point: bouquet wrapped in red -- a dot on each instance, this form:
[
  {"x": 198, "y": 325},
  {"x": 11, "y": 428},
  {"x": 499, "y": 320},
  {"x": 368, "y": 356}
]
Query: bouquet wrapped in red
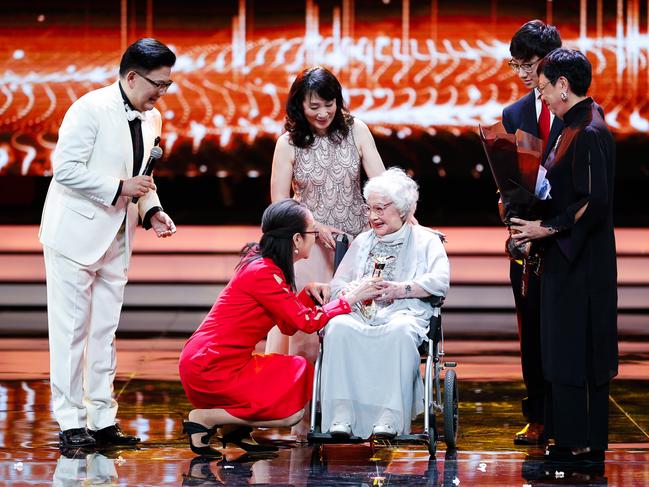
[{"x": 515, "y": 162}]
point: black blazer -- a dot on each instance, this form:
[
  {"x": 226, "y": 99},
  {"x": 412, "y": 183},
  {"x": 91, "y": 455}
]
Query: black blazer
[{"x": 522, "y": 115}]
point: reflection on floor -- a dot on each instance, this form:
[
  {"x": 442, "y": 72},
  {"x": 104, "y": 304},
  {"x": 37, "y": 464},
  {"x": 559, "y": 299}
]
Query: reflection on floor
[{"x": 153, "y": 408}]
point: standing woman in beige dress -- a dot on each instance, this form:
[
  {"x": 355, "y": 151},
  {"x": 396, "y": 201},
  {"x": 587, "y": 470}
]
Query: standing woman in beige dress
[{"x": 319, "y": 158}]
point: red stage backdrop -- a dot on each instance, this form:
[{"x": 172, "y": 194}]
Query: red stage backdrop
[{"x": 407, "y": 66}]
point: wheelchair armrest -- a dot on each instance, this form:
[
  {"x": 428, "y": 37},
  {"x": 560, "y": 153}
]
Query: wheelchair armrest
[
  {"x": 435, "y": 301},
  {"x": 435, "y": 324},
  {"x": 435, "y": 328},
  {"x": 342, "y": 245}
]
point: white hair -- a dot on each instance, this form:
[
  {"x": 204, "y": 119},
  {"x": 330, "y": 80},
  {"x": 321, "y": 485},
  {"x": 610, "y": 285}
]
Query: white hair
[{"x": 396, "y": 185}]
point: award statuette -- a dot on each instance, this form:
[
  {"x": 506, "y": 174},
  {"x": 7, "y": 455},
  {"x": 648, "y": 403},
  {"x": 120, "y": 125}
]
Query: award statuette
[{"x": 368, "y": 307}]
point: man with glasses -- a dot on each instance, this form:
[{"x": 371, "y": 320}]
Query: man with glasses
[
  {"x": 528, "y": 47},
  {"x": 87, "y": 231}
]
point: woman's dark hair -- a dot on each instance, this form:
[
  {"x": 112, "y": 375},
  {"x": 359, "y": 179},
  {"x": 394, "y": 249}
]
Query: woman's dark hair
[
  {"x": 570, "y": 64},
  {"x": 146, "y": 55},
  {"x": 280, "y": 221},
  {"x": 534, "y": 38},
  {"x": 321, "y": 81}
]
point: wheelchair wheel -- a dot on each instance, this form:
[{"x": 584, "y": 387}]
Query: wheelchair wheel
[
  {"x": 451, "y": 414},
  {"x": 432, "y": 435}
]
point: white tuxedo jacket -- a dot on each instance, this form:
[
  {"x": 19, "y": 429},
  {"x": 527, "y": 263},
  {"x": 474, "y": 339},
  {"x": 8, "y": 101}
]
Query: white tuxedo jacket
[{"x": 94, "y": 152}]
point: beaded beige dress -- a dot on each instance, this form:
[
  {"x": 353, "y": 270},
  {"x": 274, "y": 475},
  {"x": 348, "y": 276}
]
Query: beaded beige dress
[{"x": 326, "y": 178}]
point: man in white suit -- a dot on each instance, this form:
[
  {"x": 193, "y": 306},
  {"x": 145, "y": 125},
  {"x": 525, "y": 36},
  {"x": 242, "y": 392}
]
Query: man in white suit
[{"x": 87, "y": 231}]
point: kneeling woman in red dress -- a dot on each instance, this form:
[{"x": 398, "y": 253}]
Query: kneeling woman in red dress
[{"x": 223, "y": 379}]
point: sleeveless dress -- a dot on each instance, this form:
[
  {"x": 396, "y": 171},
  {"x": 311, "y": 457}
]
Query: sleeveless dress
[{"x": 326, "y": 178}]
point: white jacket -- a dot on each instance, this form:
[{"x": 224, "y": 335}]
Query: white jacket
[{"x": 94, "y": 152}]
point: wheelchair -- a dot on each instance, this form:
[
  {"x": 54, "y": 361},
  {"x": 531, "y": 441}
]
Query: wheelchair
[{"x": 436, "y": 400}]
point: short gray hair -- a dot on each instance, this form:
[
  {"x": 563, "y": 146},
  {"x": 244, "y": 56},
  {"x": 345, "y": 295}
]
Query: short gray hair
[{"x": 396, "y": 185}]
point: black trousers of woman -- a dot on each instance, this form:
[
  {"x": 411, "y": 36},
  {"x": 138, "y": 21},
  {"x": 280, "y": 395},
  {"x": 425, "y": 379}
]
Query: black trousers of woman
[{"x": 577, "y": 416}]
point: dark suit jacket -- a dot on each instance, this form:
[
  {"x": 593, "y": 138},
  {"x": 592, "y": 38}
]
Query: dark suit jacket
[{"x": 522, "y": 115}]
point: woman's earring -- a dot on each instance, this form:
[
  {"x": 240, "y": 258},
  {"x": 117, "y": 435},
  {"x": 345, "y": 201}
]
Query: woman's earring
[
  {"x": 296, "y": 251},
  {"x": 564, "y": 96}
]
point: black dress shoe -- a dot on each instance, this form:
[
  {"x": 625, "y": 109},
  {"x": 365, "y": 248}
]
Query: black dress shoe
[
  {"x": 112, "y": 435},
  {"x": 76, "y": 438}
]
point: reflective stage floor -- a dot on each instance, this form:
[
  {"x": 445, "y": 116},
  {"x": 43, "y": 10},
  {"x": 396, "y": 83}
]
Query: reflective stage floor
[{"x": 153, "y": 405}]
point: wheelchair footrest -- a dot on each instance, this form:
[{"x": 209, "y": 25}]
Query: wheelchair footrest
[
  {"x": 328, "y": 438},
  {"x": 413, "y": 438},
  {"x": 416, "y": 439}
]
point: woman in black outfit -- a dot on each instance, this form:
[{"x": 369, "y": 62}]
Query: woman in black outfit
[{"x": 579, "y": 280}]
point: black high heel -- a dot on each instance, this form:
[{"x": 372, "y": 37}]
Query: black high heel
[
  {"x": 191, "y": 428},
  {"x": 241, "y": 438}
]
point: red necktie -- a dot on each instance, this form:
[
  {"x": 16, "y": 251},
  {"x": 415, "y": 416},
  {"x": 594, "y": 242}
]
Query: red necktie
[{"x": 544, "y": 124}]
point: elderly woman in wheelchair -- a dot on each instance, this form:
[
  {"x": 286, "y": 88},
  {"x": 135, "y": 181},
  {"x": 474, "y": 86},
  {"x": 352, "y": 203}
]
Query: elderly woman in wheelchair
[{"x": 370, "y": 379}]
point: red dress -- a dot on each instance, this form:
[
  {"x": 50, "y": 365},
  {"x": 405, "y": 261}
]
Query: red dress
[{"x": 217, "y": 365}]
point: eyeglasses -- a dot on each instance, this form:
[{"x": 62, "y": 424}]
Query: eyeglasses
[
  {"x": 375, "y": 209},
  {"x": 160, "y": 85},
  {"x": 541, "y": 87},
  {"x": 526, "y": 67},
  {"x": 315, "y": 233}
]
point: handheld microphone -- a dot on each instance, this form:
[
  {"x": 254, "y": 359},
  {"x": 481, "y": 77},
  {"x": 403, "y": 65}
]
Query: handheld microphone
[{"x": 156, "y": 153}]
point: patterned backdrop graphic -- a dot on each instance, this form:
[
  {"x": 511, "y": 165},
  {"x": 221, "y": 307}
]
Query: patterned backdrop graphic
[{"x": 407, "y": 67}]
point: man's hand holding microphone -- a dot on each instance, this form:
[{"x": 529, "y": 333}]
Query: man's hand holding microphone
[{"x": 137, "y": 186}]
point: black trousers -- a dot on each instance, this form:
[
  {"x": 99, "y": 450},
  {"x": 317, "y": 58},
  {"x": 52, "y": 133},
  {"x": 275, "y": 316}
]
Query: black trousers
[
  {"x": 528, "y": 313},
  {"x": 577, "y": 416}
]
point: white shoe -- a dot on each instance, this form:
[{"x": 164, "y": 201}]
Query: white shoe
[
  {"x": 384, "y": 431},
  {"x": 341, "y": 429}
]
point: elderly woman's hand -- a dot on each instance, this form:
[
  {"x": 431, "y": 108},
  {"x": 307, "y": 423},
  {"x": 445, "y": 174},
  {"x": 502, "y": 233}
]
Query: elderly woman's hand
[
  {"x": 320, "y": 292},
  {"x": 363, "y": 290},
  {"x": 391, "y": 290},
  {"x": 327, "y": 235}
]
